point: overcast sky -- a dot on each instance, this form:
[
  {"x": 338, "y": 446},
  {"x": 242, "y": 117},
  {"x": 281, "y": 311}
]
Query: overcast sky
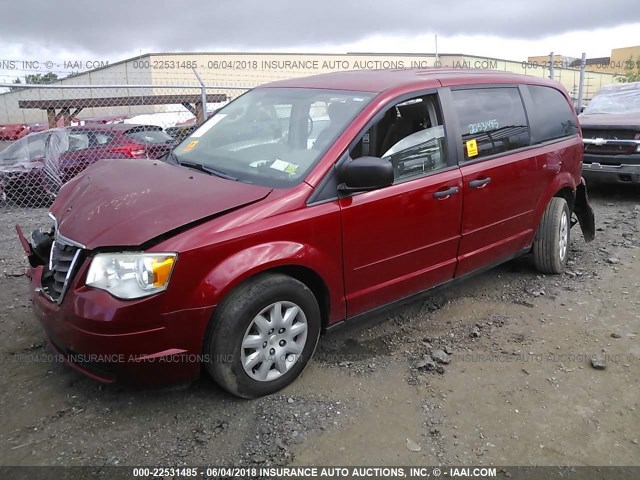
[{"x": 116, "y": 29}]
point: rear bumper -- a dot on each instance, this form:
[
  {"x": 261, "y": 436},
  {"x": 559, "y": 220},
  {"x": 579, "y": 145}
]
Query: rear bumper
[
  {"x": 111, "y": 340},
  {"x": 611, "y": 173},
  {"x": 612, "y": 168}
]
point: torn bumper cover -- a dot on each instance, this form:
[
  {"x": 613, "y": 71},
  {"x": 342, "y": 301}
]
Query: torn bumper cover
[
  {"x": 584, "y": 212},
  {"x": 39, "y": 249}
]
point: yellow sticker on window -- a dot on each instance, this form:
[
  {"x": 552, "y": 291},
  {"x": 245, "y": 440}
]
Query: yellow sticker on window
[
  {"x": 190, "y": 146},
  {"x": 472, "y": 148}
]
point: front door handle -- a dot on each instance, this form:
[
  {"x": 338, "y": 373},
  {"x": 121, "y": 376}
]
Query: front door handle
[
  {"x": 446, "y": 193},
  {"x": 480, "y": 183}
]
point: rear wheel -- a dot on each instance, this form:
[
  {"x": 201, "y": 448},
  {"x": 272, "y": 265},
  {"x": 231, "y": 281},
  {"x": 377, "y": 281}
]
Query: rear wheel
[
  {"x": 262, "y": 335},
  {"x": 551, "y": 245}
]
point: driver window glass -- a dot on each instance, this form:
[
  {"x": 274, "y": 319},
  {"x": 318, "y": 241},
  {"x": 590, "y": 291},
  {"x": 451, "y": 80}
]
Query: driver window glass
[{"x": 410, "y": 135}]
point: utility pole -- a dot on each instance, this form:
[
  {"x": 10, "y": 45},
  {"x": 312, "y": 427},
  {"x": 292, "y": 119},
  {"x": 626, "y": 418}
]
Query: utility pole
[
  {"x": 203, "y": 99},
  {"x": 583, "y": 66}
]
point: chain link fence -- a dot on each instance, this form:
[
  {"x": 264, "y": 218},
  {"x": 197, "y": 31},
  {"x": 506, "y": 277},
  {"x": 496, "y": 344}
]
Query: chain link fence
[{"x": 49, "y": 134}]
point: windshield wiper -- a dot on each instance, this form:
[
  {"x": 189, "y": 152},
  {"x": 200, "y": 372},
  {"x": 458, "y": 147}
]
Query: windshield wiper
[{"x": 206, "y": 169}]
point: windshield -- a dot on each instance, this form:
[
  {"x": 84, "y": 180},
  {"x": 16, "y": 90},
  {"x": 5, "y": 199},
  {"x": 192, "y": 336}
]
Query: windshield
[
  {"x": 15, "y": 151},
  {"x": 272, "y": 136},
  {"x": 25, "y": 150},
  {"x": 615, "y": 99}
]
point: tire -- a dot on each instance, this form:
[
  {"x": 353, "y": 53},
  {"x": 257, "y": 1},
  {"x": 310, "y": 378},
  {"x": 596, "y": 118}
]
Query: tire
[
  {"x": 249, "y": 316},
  {"x": 551, "y": 245}
]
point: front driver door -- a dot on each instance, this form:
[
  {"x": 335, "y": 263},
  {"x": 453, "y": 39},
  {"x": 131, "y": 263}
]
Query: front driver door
[{"x": 404, "y": 238}]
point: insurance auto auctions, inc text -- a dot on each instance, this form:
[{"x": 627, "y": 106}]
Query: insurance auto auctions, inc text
[{"x": 375, "y": 472}]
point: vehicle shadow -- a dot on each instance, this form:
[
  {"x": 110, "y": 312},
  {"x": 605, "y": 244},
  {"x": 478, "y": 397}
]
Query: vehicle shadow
[{"x": 619, "y": 192}]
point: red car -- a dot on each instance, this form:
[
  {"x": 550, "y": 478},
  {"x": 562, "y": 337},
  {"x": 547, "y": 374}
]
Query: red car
[
  {"x": 36, "y": 127},
  {"x": 13, "y": 131},
  {"x": 259, "y": 230},
  {"x": 33, "y": 169}
]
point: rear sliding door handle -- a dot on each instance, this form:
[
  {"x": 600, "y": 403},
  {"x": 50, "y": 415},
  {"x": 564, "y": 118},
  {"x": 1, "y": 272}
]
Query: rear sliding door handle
[
  {"x": 446, "y": 193},
  {"x": 481, "y": 182}
]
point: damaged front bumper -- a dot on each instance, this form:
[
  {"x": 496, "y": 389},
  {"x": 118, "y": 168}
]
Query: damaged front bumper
[
  {"x": 43, "y": 242},
  {"x": 108, "y": 339}
]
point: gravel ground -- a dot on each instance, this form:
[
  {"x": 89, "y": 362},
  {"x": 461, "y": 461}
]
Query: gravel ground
[
  {"x": 13, "y": 262},
  {"x": 497, "y": 370}
]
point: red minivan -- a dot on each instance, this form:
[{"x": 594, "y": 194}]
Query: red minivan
[{"x": 302, "y": 204}]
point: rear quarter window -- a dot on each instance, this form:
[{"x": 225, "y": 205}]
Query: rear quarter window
[
  {"x": 553, "y": 116},
  {"x": 491, "y": 120}
]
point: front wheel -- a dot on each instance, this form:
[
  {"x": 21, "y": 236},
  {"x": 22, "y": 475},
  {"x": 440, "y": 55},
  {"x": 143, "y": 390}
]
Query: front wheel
[
  {"x": 551, "y": 245},
  {"x": 262, "y": 335}
]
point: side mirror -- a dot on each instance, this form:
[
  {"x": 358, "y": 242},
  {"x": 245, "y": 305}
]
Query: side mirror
[{"x": 365, "y": 173}]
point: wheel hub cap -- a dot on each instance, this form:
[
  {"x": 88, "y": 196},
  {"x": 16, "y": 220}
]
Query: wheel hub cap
[
  {"x": 273, "y": 341},
  {"x": 564, "y": 236}
]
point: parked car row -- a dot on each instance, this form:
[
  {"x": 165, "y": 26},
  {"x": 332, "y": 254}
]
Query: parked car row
[
  {"x": 261, "y": 229},
  {"x": 13, "y": 131},
  {"x": 18, "y": 130},
  {"x": 33, "y": 168}
]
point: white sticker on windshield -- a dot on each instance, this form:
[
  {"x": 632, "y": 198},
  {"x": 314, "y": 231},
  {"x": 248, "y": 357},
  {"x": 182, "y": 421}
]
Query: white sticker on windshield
[
  {"x": 284, "y": 166},
  {"x": 206, "y": 126}
]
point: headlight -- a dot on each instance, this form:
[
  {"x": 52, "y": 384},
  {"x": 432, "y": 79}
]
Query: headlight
[{"x": 131, "y": 275}]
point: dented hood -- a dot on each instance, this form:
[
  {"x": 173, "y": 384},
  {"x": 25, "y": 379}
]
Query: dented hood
[{"x": 129, "y": 202}]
